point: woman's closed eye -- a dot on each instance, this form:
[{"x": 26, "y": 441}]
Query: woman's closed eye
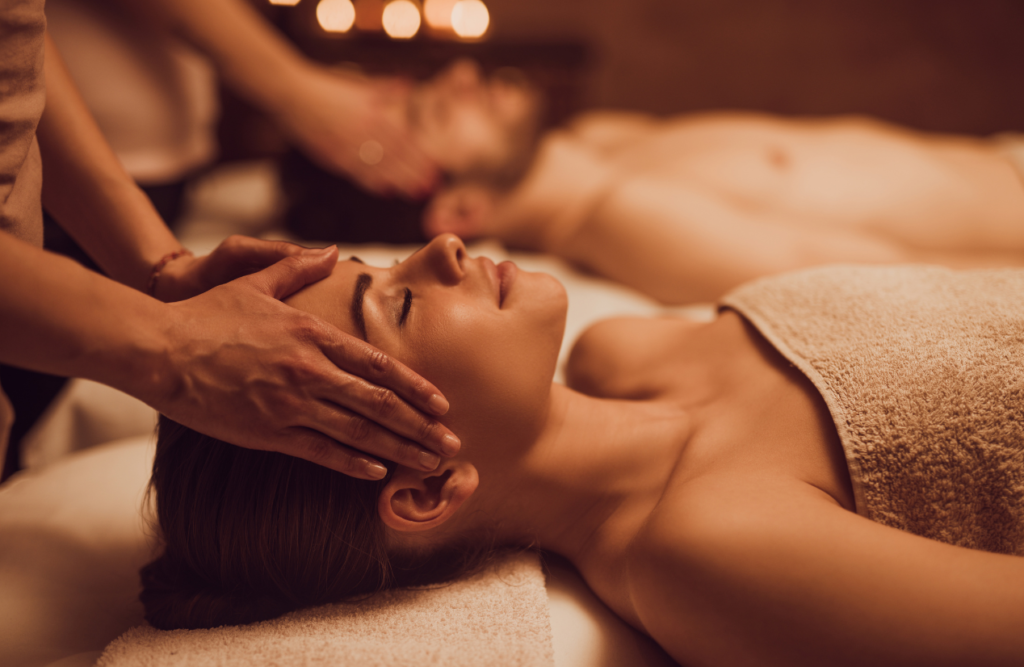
[{"x": 406, "y": 306}]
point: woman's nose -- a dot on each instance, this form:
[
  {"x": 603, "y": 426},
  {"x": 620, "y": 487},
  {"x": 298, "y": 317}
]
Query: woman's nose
[{"x": 444, "y": 255}]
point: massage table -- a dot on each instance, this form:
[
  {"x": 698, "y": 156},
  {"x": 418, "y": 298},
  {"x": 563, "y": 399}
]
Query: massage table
[{"x": 73, "y": 526}]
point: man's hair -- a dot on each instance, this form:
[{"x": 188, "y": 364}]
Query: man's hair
[{"x": 249, "y": 535}]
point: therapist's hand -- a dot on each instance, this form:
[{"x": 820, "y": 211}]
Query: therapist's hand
[
  {"x": 247, "y": 369},
  {"x": 236, "y": 256},
  {"x": 354, "y": 126}
]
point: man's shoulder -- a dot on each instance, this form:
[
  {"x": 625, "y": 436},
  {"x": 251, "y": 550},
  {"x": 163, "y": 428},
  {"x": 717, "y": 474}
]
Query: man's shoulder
[{"x": 607, "y": 129}]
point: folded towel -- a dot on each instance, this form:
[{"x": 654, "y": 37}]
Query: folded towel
[
  {"x": 497, "y": 617},
  {"x": 922, "y": 369}
]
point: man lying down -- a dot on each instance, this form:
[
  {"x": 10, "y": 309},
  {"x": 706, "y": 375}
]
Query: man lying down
[
  {"x": 687, "y": 207},
  {"x": 829, "y": 473}
]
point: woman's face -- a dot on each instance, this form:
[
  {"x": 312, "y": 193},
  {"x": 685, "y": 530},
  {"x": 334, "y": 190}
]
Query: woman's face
[{"x": 487, "y": 336}]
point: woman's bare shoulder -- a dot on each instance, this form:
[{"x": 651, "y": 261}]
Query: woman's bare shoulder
[{"x": 626, "y": 357}]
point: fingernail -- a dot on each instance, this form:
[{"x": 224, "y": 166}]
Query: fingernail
[
  {"x": 437, "y": 404},
  {"x": 450, "y": 445},
  {"x": 375, "y": 470},
  {"x": 429, "y": 461},
  {"x": 325, "y": 251}
]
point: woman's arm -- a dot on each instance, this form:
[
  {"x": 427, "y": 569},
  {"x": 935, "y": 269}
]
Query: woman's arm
[{"x": 773, "y": 574}]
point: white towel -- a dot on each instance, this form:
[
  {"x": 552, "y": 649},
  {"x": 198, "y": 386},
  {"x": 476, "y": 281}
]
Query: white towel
[{"x": 497, "y": 617}]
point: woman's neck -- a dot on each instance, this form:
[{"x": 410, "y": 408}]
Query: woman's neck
[{"x": 586, "y": 484}]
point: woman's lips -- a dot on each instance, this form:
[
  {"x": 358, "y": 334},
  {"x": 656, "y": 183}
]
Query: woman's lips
[{"x": 507, "y": 272}]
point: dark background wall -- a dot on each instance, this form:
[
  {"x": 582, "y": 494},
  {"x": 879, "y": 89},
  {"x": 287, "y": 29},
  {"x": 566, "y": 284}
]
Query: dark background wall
[{"x": 953, "y": 65}]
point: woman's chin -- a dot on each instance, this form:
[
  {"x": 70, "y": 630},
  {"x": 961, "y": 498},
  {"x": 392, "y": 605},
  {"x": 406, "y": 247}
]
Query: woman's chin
[{"x": 547, "y": 294}]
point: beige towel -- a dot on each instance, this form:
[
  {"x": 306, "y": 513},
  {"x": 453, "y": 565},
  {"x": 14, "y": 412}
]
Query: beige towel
[
  {"x": 922, "y": 369},
  {"x": 497, "y": 617}
]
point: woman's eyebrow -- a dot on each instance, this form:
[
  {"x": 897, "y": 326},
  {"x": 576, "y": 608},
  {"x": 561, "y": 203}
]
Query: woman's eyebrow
[
  {"x": 353, "y": 258},
  {"x": 363, "y": 282}
]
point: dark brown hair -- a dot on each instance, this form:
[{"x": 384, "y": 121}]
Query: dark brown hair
[{"x": 249, "y": 535}]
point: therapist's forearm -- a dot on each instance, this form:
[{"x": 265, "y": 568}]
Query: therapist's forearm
[
  {"x": 61, "y": 318},
  {"x": 88, "y": 191},
  {"x": 250, "y": 55}
]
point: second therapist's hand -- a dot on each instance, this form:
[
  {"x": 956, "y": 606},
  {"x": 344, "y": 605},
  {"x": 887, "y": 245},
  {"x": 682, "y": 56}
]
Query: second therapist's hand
[
  {"x": 349, "y": 125},
  {"x": 247, "y": 369}
]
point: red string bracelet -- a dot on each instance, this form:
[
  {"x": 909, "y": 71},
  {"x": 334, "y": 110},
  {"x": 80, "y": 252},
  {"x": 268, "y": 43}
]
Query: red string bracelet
[{"x": 159, "y": 266}]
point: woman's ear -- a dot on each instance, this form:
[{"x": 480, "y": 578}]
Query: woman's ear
[{"x": 413, "y": 500}]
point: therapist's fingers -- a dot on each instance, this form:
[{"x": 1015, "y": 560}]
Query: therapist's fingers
[
  {"x": 317, "y": 448},
  {"x": 291, "y": 274},
  {"x": 354, "y": 444},
  {"x": 240, "y": 255},
  {"x": 235, "y": 257},
  {"x": 363, "y": 360},
  {"x": 376, "y": 420}
]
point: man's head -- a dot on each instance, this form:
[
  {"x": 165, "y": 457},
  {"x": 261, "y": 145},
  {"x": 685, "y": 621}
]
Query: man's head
[{"x": 477, "y": 129}]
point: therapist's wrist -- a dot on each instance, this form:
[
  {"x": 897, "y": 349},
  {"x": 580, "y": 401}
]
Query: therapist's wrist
[
  {"x": 170, "y": 278},
  {"x": 136, "y": 357}
]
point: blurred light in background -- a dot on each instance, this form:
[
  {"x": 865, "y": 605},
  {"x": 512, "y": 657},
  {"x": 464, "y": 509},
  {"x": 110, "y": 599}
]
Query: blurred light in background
[
  {"x": 335, "y": 15},
  {"x": 401, "y": 19},
  {"x": 470, "y": 18},
  {"x": 439, "y": 13}
]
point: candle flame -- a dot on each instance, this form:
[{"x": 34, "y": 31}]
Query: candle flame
[
  {"x": 470, "y": 18},
  {"x": 336, "y": 15}
]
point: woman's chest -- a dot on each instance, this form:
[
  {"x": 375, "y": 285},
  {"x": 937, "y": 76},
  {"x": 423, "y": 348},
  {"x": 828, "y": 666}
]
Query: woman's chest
[{"x": 754, "y": 413}]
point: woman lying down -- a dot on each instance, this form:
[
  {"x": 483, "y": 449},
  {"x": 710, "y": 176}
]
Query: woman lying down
[{"x": 831, "y": 472}]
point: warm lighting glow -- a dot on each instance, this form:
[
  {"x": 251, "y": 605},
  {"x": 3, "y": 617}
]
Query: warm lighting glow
[
  {"x": 401, "y": 19},
  {"x": 286, "y": 3},
  {"x": 368, "y": 15},
  {"x": 336, "y": 15},
  {"x": 470, "y": 18},
  {"x": 439, "y": 13}
]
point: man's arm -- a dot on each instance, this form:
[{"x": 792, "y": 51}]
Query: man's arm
[{"x": 683, "y": 245}]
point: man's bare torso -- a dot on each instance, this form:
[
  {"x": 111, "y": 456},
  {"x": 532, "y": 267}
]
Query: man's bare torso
[{"x": 931, "y": 191}]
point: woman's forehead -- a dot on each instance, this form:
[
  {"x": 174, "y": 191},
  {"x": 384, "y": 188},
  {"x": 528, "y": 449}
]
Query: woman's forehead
[{"x": 330, "y": 299}]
